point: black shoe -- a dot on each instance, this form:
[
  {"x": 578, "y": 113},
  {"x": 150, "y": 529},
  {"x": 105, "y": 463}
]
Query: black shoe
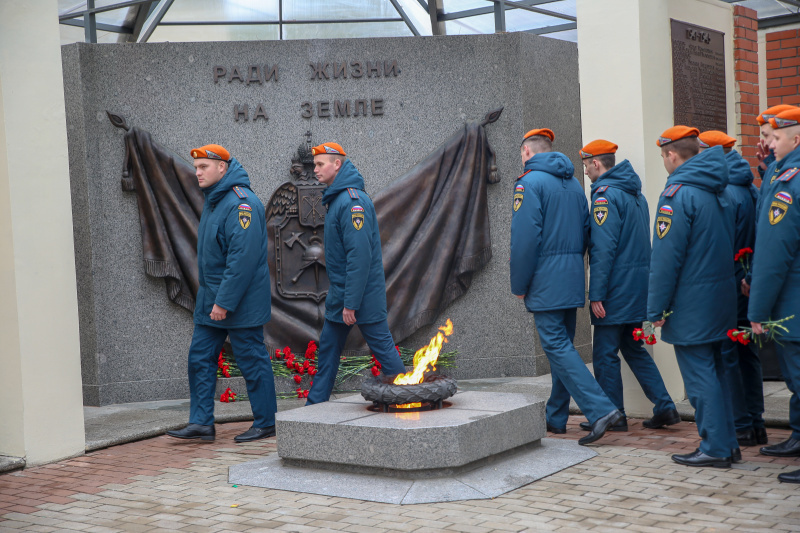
[
  {"x": 620, "y": 425},
  {"x": 669, "y": 417},
  {"x": 600, "y": 427},
  {"x": 698, "y": 458},
  {"x": 790, "y": 477},
  {"x": 194, "y": 431},
  {"x": 255, "y": 434},
  {"x": 787, "y": 448},
  {"x": 761, "y": 435},
  {"x": 746, "y": 437},
  {"x": 736, "y": 455},
  {"x": 557, "y": 431}
]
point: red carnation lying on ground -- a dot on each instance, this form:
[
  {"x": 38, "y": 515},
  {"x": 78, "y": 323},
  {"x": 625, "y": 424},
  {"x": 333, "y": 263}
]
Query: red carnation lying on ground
[
  {"x": 228, "y": 396},
  {"x": 375, "y": 371}
]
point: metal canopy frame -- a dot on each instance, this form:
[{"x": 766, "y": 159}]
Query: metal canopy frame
[{"x": 150, "y": 13}]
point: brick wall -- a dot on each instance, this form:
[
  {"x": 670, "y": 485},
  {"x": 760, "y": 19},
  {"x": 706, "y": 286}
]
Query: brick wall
[
  {"x": 783, "y": 60},
  {"x": 745, "y": 55}
]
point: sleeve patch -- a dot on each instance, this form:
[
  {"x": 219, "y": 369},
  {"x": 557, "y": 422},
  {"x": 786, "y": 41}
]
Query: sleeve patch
[
  {"x": 600, "y": 214},
  {"x": 602, "y": 189},
  {"x": 353, "y": 193},
  {"x": 784, "y": 197},
  {"x": 789, "y": 174},
  {"x": 601, "y": 201},
  {"x": 665, "y": 210},
  {"x": 663, "y": 225},
  {"x": 240, "y": 192},
  {"x": 670, "y": 191},
  {"x": 357, "y": 215},
  {"x": 519, "y": 188},
  {"x": 244, "y": 207}
]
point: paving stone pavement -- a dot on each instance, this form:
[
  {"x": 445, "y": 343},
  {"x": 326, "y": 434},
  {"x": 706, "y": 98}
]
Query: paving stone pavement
[{"x": 163, "y": 484}]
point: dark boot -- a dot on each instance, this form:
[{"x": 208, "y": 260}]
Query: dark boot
[
  {"x": 194, "y": 431},
  {"x": 664, "y": 418}
]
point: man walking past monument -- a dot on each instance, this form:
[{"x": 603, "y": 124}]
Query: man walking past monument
[
  {"x": 549, "y": 235},
  {"x": 619, "y": 257},
  {"x": 692, "y": 293},
  {"x": 775, "y": 291},
  {"x": 233, "y": 299},
  {"x": 742, "y": 363},
  {"x": 354, "y": 263}
]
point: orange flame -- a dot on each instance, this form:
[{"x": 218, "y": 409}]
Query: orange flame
[{"x": 425, "y": 357}]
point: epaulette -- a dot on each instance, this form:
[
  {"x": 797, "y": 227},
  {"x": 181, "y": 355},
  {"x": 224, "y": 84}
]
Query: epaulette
[
  {"x": 239, "y": 192},
  {"x": 353, "y": 193},
  {"x": 602, "y": 189},
  {"x": 789, "y": 174},
  {"x": 670, "y": 191},
  {"x": 524, "y": 173}
]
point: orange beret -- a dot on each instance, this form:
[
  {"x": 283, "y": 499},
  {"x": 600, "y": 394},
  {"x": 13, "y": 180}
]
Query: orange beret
[
  {"x": 544, "y": 132},
  {"x": 676, "y": 133},
  {"x": 716, "y": 138},
  {"x": 211, "y": 151},
  {"x": 328, "y": 148},
  {"x": 764, "y": 117},
  {"x": 598, "y": 147},
  {"x": 785, "y": 119}
]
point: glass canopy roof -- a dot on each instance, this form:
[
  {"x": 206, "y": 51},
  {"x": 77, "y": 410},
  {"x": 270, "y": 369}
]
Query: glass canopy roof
[{"x": 235, "y": 20}]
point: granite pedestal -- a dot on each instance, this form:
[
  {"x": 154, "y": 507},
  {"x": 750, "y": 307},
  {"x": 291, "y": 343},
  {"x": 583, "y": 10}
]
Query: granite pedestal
[{"x": 481, "y": 446}]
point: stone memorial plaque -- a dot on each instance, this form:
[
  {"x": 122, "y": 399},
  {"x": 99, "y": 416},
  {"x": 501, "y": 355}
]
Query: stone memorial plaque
[{"x": 698, "y": 77}]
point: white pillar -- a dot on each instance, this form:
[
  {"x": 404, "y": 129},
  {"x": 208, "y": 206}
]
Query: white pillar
[
  {"x": 41, "y": 406},
  {"x": 625, "y": 60}
]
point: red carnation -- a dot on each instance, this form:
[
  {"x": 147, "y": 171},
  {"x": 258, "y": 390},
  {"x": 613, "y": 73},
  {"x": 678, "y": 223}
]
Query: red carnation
[
  {"x": 225, "y": 371},
  {"x": 375, "y": 371},
  {"x": 650, "y": 339},
  {"x": 298, "y": 379},
  {"x": 638, "y": 334},
  {"x": 305, "y": 394},
  {"x": 278, "y": 353},
  {"x": 306, "y": 364},
  {"x": 312, "y": 372},
  {"x": 732, "y": 333},
  {"x": 299, "y": 393},
  {"x": 289, "y": 364},
  {"x": 744, "y": 338},
  {"x": 287, "y": 351}
]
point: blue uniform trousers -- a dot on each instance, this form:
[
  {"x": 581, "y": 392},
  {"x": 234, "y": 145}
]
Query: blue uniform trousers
[
  {"x": 745, "y": 381},
  {"x": 608, "y": 342},
  {"x": 703, "y": 374},
  {"x": 331, "y": 341},
  {"x": 253, "y": 360},
  {"x": 569, "y": 373},
  {"x": 789, "y": 360}
]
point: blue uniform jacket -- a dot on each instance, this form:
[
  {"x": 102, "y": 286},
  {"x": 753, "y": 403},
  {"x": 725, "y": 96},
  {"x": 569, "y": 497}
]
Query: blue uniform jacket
[
  {"x": 232, "y": 254},
  {"x": 549, "y": 235},
  {"x": 353, "y": 250},
  {"x": 619, "y": 249},
  {"x": 767, "y": 162},
  {"x": 744, "y": 196},
  {"x": 775, "y": 290},
  {"x": 691, "y": 269}
]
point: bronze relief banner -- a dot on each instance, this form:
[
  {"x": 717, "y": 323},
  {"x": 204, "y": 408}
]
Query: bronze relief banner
[{"x": 434, "y": 224}]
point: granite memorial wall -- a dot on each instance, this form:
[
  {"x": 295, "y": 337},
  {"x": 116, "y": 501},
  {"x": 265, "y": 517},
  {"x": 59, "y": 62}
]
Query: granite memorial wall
[{"x": 388, "y": 101}]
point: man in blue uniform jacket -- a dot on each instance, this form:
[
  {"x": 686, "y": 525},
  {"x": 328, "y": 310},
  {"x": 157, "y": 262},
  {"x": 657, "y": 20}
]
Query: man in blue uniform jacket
[
  {"x": 692, "y": 293},
  {"x": 619, "y": 257},
  {"x": 233, "y": 299},
  {"x": 354, "y": 263},
  {"x": 742, "y": 364},
  {"x": 549, "y": 235},
  {"x": 775, "y": 291}
]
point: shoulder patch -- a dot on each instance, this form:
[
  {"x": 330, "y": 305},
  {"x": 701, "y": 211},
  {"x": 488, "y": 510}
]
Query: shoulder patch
[
  {"x": 519, "y": 195},
  {"x": 524, "y": 173},
  {"x": 789, "y": 174},
  {"x": 784, "y": 197},
  {"x": 665, "y": 210},
  {"x": 670, "y": 191},
  {"x": 601, "y": 201},
  {"x": 602, "y": 189},
  {"x": 600, "y": 214},
  {"x": 244, "y": 207},
  {"x": 240, "y": 192},
  {"x": 357, "y": 216},
  {"x": 353, "y": 193}
]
